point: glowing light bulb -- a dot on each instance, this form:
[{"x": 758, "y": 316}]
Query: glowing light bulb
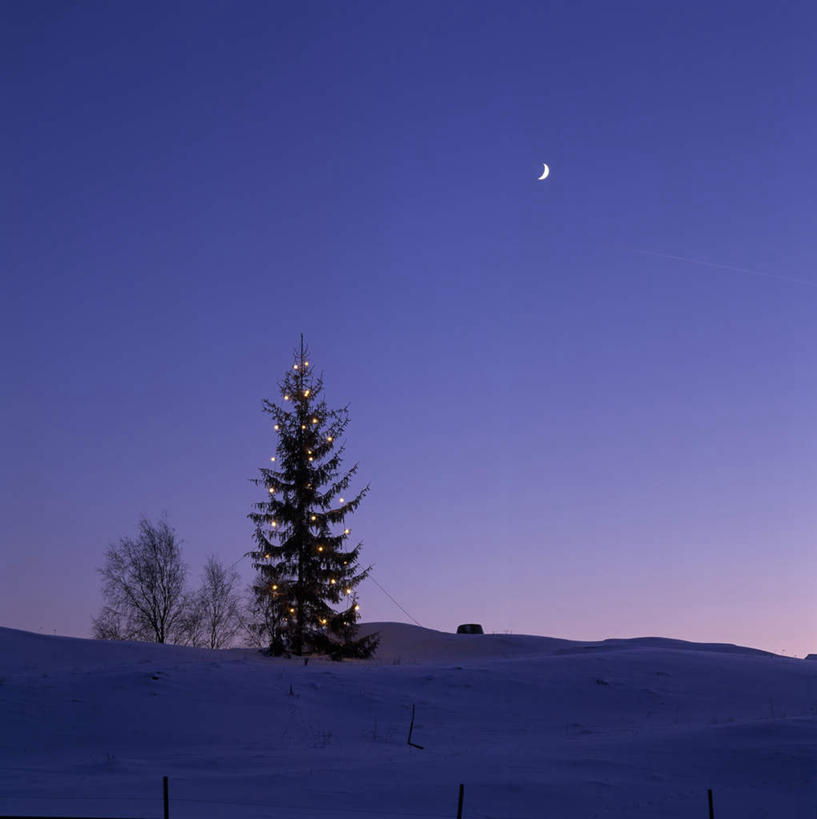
[
  {"x": 311, "y": 459},
  {"x": 323, "y": 621},
  {"x": 267, "y": 556},
  {"x": 306, "y": 393},
  {"x": 329, "y": 438},
  {"x": 314, "y": 517},
  {"x": 346, "y": 531},
  {"x": 306, "y": 363},
  {"x": 286, "y": 398},
  {"x": 276, "y": 427},
  {"x": 314, "y": 420},
  {"x": 348, "y": 591},
  {"x": 332, "y": 581},
  {"x": 271, "y": 490},
  {"x": 303, "y": 426},
  {"x": 320, "y": 548},
  {"x": 292, "y": 611},
  {"x": 342, "y": 501},
  {"x": 273, "y": 459},
  {"x": 294, "y": 366},
  {"x": 357, "y": 608},
  {"x": 274, "y": 524},
  {"x": 275, "y": 587}
]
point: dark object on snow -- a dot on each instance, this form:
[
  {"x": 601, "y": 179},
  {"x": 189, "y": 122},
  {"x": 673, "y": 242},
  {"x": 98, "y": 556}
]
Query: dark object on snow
[
  {"x": 470, "y": 628},
  {"x": 811, "y": 656}
]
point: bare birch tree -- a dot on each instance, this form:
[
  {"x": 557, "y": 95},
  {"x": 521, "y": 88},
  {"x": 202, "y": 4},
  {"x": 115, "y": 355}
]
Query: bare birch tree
[{"x": 143, "y": 588}]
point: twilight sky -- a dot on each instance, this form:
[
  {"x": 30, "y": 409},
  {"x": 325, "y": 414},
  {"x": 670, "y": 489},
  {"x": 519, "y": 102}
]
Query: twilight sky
[{"x": 567, "y": 430}]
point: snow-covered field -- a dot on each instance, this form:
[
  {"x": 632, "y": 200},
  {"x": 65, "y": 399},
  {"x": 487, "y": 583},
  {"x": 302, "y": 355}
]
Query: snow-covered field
[{"x": 532, "y": 726}]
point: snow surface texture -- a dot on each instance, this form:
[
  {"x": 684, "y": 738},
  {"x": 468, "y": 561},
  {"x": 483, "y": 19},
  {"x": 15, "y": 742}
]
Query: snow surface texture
[{"x": 532, "y": 726}]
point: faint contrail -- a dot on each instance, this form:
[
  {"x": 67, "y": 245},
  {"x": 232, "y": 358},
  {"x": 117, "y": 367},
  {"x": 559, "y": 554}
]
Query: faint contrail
[{"x": 727, "y": 267}]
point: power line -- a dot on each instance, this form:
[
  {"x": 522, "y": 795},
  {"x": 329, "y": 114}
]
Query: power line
[
  {"x": 237, "y": 561},
  {"x": 407, "y": 613},
  {"x": 726, "y": 267},
  {"x": 395, "y": 602}
]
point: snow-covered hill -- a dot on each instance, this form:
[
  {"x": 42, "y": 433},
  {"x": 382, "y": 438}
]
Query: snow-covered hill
[{"x": 533, "y": 726}]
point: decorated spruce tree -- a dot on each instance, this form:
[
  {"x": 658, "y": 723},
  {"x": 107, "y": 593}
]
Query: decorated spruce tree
[{"x": 307, "y": 569}]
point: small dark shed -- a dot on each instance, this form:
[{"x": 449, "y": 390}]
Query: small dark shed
[{"x": 470, "y": 628}]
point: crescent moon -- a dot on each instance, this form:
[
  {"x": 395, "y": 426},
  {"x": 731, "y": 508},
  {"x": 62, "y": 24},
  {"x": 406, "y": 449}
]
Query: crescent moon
[{"x": 545, "y": 173}]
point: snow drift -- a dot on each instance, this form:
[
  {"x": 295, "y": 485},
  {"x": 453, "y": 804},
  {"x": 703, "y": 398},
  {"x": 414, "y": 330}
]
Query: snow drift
[{"x": 532, "y": 726}]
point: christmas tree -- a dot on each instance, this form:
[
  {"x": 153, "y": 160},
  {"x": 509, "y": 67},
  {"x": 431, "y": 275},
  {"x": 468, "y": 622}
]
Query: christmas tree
[{"x": 307, "y": 571}]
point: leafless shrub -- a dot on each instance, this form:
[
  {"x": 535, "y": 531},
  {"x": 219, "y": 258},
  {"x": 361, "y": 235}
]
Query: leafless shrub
[{"x": 216, "y": 607}]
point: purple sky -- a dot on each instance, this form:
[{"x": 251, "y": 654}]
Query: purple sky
[{"x": 563, "y": 435}]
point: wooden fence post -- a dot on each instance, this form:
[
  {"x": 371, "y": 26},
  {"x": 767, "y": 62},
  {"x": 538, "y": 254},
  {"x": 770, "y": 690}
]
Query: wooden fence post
[
  {"x": 411, "y": 730},
  {"x": 459, "y": 804},
  {"x": 711, "y": 807},
  {"x": 165, "y": 797}
]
